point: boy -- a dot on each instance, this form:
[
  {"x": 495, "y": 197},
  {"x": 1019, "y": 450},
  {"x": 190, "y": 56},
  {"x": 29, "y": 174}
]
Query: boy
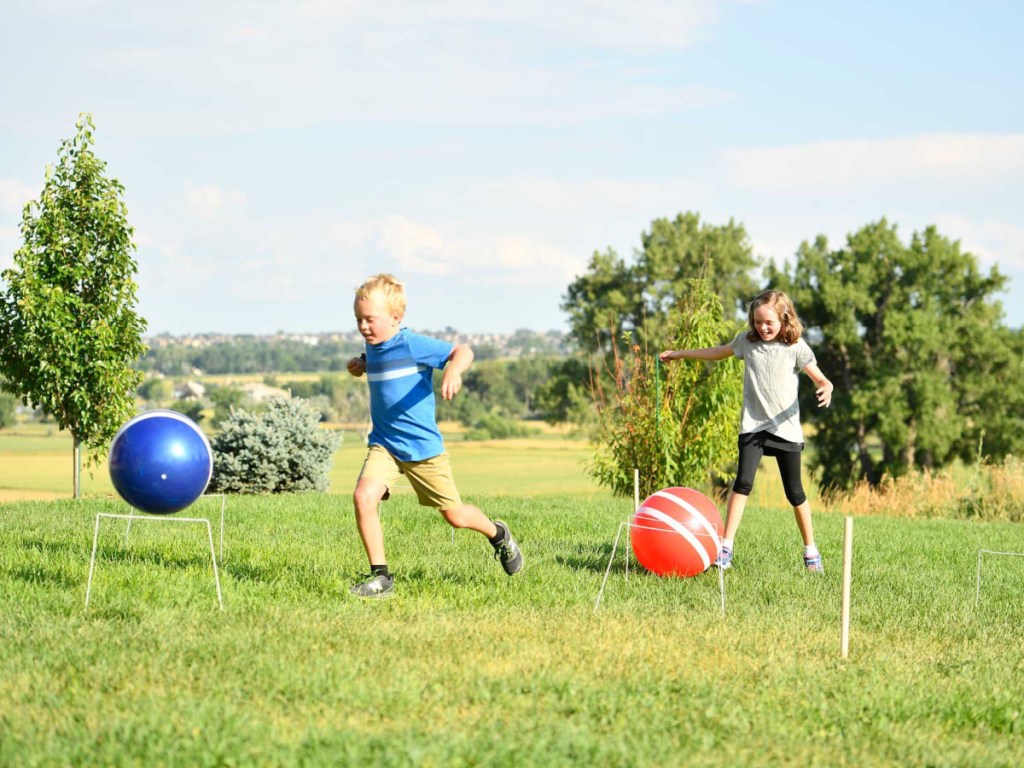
[{"x": 404, "y": 439}]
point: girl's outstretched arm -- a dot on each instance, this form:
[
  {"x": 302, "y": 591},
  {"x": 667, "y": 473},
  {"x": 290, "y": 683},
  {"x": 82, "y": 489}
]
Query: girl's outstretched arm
[
  {"x": 824, "y": 386},
  {"x": 708, "y": 353}
]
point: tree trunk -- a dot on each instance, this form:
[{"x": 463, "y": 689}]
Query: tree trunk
[{"x": 76, "y": 468}]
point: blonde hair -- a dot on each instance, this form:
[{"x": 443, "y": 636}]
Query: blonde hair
[
  {"x": 388, "y": 287},
  {"x": 791, "y": 329}
]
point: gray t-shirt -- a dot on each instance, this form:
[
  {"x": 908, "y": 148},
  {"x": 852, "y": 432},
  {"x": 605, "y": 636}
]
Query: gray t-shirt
[{"x": 771, "y": 377}]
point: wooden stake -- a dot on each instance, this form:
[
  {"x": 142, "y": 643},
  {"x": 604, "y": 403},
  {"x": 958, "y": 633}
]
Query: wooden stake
[
  {"x": 636, "y": 490},
  {"x": 844, "y": 635}
]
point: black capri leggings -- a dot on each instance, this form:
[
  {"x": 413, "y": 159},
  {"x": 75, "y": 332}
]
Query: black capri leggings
[{"x": 751, "y": 452}]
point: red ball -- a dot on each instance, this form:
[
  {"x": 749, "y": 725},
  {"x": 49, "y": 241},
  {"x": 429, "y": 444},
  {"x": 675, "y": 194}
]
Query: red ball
[{"x": 676, "y": 532}]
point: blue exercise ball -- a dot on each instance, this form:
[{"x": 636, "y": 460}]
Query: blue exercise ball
[{"x": 160, "y": 462}]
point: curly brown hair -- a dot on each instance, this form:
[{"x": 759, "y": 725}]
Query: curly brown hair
[{"x": 792, "y": 328}]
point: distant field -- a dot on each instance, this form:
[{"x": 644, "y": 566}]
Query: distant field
[{"x": 35, "y": 463}]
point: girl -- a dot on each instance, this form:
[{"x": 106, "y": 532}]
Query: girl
[{"x": 773, "y": 354}]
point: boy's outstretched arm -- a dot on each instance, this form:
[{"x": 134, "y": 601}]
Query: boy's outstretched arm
[
  {"x": 708, "y": 353},
  {"x": 458, "y": 363}
]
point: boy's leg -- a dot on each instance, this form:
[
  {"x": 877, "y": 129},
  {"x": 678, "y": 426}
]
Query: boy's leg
[
  {"x": 379, "y": 471},
  {"x": 505, "y": 547},
  {"x": 468, "y": 516},
  {"x": 366, "y": 498},
  {"x": 432, "y": 480}
]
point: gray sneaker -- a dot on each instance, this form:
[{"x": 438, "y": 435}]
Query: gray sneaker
[
  {"x": 507, "y": 551},
  {"x": 374, "y": 587}
]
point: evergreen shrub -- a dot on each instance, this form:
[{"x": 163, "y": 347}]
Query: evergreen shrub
[{"x": 281, "y": 449}]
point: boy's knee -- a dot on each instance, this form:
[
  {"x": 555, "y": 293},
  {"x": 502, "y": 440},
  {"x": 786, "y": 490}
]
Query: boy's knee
[
  {"x": 455, "y": 516},
  {"x": 365, "y": 497}
]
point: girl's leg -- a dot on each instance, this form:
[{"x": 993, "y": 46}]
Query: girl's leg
[
  {"x": 803, "y": 522},
  {"x": 789, "y": 468},
  {"x": 734, "y": 513},
  {"x": 746, "y": 468}
]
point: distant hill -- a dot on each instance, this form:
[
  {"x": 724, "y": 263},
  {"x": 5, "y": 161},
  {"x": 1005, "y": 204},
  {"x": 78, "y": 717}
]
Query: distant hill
[{"x": 218, "y": 353}]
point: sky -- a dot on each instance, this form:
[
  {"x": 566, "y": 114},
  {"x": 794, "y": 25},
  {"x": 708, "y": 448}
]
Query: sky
[{"x": 275, "y": 154}]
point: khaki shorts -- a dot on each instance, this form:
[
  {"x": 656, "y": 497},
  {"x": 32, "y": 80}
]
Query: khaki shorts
[{"x": 430, "y": 478}]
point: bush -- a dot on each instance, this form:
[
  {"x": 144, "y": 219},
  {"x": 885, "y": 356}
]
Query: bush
[
  {"x": 8, "y": 406},
  {"x": 675, "y": 424},
  {"x": 491, "y": 426},
  {"x": 278, "y": 450}
]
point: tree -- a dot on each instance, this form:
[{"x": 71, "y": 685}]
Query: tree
[
  {"x": 225, "y": 399},
  {"x": 68, "y": 329},
  {"x": 8, "y": 407},
  {"x": 564, "y": 397},
  {"x": 903, "y": 332},
  {"x": 676, "y": 424},
  {"x": 612, "y": 298}
]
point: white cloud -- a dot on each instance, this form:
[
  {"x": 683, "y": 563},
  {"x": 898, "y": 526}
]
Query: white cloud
[
  {"x": 211, "y": 200},
  {"x": 593, "y": 195},
  {"x": 641, "y": 25},
  {"x": 991, "y": 240},
  {"x": 247, "y": 33},
  {"x": 421, "y": 249},
  {"x": 836, "y": 164},
  {"x": 13, "y": 196}
]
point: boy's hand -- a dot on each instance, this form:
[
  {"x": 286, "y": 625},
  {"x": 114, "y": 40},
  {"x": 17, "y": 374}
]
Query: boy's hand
[
  {"x": 357, "y": 366},
  {"x": 450, "y": 384}
]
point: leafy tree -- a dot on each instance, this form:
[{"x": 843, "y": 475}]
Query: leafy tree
[
  {"x": 613, "y": 299},
  {"x": 191, "y": 408},
  {"x": 8, "y": 407},
  {"x": 564, "y": 397},
  {"x": 225, "y": 399},
  {"x": 905, "y": 333},
  {"x": 156, "y": 390},
  {"x": 676, "y": 424},
  {"x": 68, "y": 328}
]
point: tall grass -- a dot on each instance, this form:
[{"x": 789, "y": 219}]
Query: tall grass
[
  {"x": 469, "y": 667},
  {"x": 985, "y": 491}
]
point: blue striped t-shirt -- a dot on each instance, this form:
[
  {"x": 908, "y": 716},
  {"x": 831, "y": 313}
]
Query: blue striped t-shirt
[{"x": 400, "y": 372}]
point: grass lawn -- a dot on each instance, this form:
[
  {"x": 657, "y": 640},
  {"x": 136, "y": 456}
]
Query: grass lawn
[{"x": 466, "y": 666}]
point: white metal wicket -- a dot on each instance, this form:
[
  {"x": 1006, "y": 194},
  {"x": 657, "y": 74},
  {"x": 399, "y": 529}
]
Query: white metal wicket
[{"x": 129, "y": 518}]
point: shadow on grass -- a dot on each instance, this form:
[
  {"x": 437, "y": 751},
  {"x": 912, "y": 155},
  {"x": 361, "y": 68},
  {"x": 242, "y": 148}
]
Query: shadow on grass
[
  {"x": 140, "y": 555},
  {"x": 592, "y": 559},
  {"x": 40, "y": 575}
]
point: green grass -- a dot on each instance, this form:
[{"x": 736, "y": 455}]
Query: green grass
[{"x": 469, "y": 667}]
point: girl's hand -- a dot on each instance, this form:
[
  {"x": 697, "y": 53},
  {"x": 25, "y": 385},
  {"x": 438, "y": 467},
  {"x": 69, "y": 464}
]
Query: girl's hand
[
  {"x": 668, "y": 354},
  {"x": 824, "y": 394}
]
